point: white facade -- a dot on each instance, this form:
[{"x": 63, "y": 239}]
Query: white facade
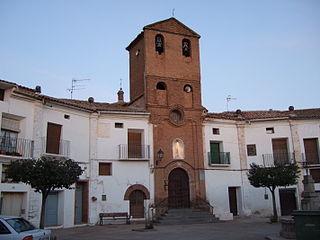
[{"x": 219, "y": 177}]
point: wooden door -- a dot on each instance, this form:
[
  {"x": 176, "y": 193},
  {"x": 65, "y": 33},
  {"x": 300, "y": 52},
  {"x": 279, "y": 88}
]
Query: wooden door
[
  {"x": 233, "y": 205},
  {"x": 81, "y": 203},
  {"x": 311, "y": 150},
  {"x": 288, "y": 201},
  {"x": 280, "y": 151},
  {"x": 53, "y": 138},
  {"x": 215, "y": 152},
  {"x": 136, "y": 199},
  {"x": 178, "y": 189},
  {"x": 134, "y": 145}
]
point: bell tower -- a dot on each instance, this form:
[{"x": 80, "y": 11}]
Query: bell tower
[{"x": 165, "y": 80}]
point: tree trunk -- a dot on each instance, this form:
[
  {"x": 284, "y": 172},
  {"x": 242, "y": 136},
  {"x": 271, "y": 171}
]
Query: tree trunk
[
  {"x": 43, "y": 208},
  {"x": 275, "y": 213}
]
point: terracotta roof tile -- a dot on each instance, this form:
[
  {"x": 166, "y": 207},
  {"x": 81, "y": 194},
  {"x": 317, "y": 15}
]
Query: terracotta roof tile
[
  {"x": 313, "y": 113},
  {"x": 81, "y": 104}
]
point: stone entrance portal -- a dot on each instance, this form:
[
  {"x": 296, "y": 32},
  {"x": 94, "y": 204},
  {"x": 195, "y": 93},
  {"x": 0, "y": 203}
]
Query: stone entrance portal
[{"x": 178, "y": 189}]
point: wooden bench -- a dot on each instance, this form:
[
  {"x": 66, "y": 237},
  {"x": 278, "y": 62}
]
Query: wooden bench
[{"x": 114, "y": 216}]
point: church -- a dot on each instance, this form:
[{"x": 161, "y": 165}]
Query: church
[{"x": 161, "y": 150}]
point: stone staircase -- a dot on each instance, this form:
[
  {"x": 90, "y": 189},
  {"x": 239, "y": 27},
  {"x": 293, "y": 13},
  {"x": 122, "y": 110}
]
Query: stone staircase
[{"x": 186, "y": 216}]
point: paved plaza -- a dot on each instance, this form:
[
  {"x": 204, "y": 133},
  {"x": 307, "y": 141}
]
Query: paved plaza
[{"x": 249, "y": 228}]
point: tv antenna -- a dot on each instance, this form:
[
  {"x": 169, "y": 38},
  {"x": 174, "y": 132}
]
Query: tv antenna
[
  {"x": 229, "y": 98},
  {"x": 75, "y": 86},
  {"x": 173, "y": 9}
]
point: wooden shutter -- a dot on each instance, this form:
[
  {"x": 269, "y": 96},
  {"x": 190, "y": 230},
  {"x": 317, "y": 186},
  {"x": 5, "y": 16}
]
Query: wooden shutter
[
  {"x": 280, "y": 150},
  {"x": 53, "y": 138},
  {"x": 134, "y": 145},
  {"x": 104, "y": 169},
  {"x": 214, "y": 153},
  {"x": 311, "y": 150}
]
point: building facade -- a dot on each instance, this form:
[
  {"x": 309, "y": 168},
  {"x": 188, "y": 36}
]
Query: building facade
[{"x": 160, "y": 150}]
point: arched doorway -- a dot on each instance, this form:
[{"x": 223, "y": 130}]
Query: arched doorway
[
  {"x": 178, "y": 189},
  {"x": 136, "y": 199}
]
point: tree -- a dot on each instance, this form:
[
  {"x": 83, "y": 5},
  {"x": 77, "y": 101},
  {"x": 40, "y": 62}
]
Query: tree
[
  {"x": 44, "y": 175},
  {"x": 273, "y": 177}
]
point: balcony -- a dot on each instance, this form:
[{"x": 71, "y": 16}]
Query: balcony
[
  {"x": 134, "y": 152},
  {"x": 18, "y": 147},
  {"x": 61, "y": 147},
  {"x": 271, "y": 160},
  {"x": 310, "y": 159},
  {"x": 219, "y": 158}
]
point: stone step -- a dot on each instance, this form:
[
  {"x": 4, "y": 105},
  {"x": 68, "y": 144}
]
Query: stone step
[{"x": 186, "y": 216}]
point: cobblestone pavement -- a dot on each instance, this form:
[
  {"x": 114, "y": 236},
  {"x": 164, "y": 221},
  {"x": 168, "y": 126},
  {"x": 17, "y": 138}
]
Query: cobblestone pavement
[{"x": 249, "y": 228}]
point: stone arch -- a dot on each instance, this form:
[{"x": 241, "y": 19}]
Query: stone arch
[{"x": 136, "y": 187}]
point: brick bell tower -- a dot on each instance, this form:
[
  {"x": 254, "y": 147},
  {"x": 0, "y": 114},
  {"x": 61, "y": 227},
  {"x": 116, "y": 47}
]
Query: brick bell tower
[{"x": 165, "y": 80}]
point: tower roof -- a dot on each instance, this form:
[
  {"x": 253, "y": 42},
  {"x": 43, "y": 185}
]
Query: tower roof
[{"x": 172, "y": 25}]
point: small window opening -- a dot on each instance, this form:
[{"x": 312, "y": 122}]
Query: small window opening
[
  {"x": 104, "y": 169},
  {"x": 118, "y": 125},
  {"x": 251, "y": 150},
  {"x": 270, "y": 130},
  {"x": 161, "y": 86},
  {"x": 159, "y": 44},
  {"x": 216, "y": 131},
  {"x": 187, "y": 88},
  {"x": 186, "y": 47},
  {"x": 66, "y": 116},
  {"x": 1, "y": 94}
]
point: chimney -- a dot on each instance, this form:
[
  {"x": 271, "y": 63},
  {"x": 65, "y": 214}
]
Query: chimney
[
  {"x": 120, "y": 96},
  {"x": 91, "y": 100},
  {"x": 38, "y": 89},
  {"x": 291, "y": 108}
]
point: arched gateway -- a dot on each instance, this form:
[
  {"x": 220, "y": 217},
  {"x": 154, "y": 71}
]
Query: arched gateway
[{"x": 178, "y": 189}]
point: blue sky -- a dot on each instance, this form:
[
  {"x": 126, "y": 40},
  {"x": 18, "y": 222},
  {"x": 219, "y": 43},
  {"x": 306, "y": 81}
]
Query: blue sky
[{"x": 264, "y": 53}]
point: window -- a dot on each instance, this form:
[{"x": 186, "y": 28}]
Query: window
[
  {"x": 186, "y": 47},
  {"x": 135, "y": 143},
  {"x": 311, "y": 151},
  {"x": 216, "y": 131},
  {"x": 216, "y": 156},
  {"x": 315, "y": 173},
  {"x": 4, "y": 229},
  {"x": 53, "y": 138},
  {"x": 176, "y": 116},
  {"x": 118, "y": 125},
  {"x": 270, "y": 130},
  {"x": 66, "y": 116},
  {"x": 104, "y": 169},
  {"x": 159, "y": 44},
  {"x": 187, "y": 88},
  {"x": 251, "y": 150},
  {"x": 161, "y": 86},
  {"x": 2, "y": 94}
]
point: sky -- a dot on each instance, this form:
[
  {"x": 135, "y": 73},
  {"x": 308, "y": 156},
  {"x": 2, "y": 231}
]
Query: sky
[{"x": 263, "y": 53}]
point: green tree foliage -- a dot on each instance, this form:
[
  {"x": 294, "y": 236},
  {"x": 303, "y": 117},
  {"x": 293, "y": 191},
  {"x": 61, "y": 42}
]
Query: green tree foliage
[
  {"x": 44, "y": 175},
  {"x": 273, "y": 177}
]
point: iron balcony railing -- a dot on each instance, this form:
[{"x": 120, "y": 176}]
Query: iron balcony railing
[
  {"x": 134, "y": 152},
  {"x": 219, "y": 158},
  {"x": 310, "y": 159},
  {"x": 61, "y": 147},
  {"x": 19, "y": 147},
  {"x": 270, "y": 160}
]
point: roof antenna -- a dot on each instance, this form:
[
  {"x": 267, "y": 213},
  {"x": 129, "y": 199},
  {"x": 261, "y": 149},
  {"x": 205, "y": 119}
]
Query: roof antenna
[
  {"x": 120, "y": 83},
  {"x": 229, "y": 98},
  {"x": 173, "y": 12},
  {"x": 75, "y": 86}
]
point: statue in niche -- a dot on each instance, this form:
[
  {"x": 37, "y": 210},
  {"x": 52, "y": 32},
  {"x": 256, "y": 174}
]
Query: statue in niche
[{"x": 178, "y": 149}]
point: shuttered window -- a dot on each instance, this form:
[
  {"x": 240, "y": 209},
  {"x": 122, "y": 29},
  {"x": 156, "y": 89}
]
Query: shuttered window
[
  {"x": 53, "y": 138},
  {"x": 10, "y": 124},
  {"x": 105, "y": 169}
]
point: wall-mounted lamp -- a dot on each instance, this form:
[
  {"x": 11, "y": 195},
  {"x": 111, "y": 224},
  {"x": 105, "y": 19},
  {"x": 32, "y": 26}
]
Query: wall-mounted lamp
[{"x": 160, "y": 155}]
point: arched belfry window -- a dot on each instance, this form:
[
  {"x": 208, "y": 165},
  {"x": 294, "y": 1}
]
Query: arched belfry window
[
  {"x": 178, "y": 149},
  {"x": 161, "y": 86},
  {"x": 159, "y": 43},
  {"x": 186, "y": 48}
]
